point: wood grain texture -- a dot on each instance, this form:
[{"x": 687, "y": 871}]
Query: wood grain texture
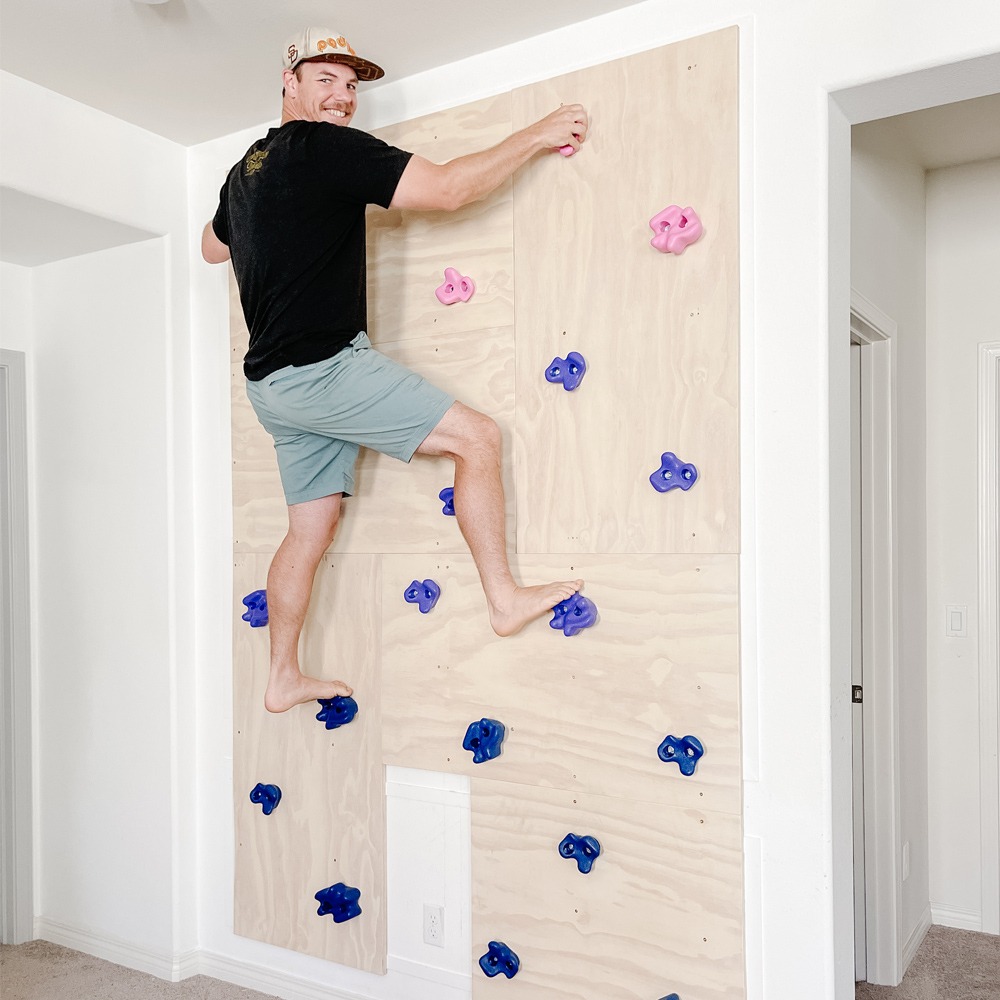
[
  {"x": 659, "y": 331},
  {"x": 660, "y": 912},
  {"x": 408, "y": 251},
  {"x": 330, "y": 823},
  {"x": 585, "y": 713}
]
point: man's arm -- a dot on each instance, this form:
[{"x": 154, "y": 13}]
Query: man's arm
[
  {"x": 449, "y": 186},
  {"x": 212, "y": 248}
]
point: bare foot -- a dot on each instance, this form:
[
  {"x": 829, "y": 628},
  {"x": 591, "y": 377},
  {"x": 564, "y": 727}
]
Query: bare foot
[
  {"x": 287, "y": 689},
  {"x": 525, "y": 604}
]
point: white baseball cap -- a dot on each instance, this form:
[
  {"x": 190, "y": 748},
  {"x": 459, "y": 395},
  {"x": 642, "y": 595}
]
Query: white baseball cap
[{"x": 323, "y": 43}]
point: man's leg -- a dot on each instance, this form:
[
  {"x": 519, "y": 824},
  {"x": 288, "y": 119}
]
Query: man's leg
[
  {"x": 472, "y": 441},
  {"x": 311, "y": 528}
]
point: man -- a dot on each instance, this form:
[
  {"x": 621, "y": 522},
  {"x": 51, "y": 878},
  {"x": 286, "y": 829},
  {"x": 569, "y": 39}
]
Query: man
[{"x": 292, "y": 213}]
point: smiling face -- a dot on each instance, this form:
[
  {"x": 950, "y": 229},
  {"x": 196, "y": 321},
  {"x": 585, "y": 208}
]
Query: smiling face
[{"x": 322, "y": 91}]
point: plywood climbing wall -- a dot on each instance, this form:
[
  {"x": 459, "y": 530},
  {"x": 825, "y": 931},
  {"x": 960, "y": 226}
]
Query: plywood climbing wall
[{"x": 562, "y": 262}]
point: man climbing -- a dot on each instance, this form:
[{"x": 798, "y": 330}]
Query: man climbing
[{"x": 292, "y": 215}]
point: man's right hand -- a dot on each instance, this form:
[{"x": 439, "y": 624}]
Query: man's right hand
[{"x": 566, "y": 126}]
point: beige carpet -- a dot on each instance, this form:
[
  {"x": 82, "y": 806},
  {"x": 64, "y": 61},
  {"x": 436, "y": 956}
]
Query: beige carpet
[
  {"x": 43, "y": 971},
  {"x": 950, "y": 965}
]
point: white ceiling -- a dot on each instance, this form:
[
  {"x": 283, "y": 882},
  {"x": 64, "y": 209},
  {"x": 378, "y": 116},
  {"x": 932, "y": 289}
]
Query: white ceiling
[{"x": 193, "y": 70}]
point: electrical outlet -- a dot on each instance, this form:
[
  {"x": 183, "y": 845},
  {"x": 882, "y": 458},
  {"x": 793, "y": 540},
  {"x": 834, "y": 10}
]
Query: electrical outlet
[{"x": 434, "y": 925}]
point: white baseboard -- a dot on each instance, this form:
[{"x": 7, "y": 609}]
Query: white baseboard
[
  {"x": 916, "y": 939},
  {"x": 163, "y": 965},
  {"x": 947, "y": 916},
  {"x": 265, "y": 980}
]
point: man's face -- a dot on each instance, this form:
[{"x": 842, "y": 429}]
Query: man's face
[{"x": 327, "y": 92}]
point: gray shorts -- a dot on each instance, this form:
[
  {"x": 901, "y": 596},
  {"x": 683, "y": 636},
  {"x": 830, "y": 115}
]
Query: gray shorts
[{"x": 321, "y": 414}]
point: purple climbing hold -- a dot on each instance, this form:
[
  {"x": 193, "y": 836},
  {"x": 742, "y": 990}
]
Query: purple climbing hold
[
  {"x": 341, "y": 901},
  {"x": 574, "y": 615},
  {"x": 569, "y": 371},
  {"x": 447, "y": 497},
  {"x": 673, "y": 474},
  {"x": 256, "y": 612},
  {"x": 337, "y": 712},
  {"x": 425, "y": 595}
]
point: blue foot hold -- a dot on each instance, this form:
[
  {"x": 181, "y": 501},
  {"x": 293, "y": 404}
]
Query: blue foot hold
[
  {"x": 425, "y": 595},
  {"x": 266, "y": 796},
  {"x": 341, "y": 901},
  {"x": 568, "y": 371},
  {"x": 500, "y": 960},
  {"x": 684, "y": 752},
  {"x": 337, "y": 712},
  {"x": 673, "y": 996},
  {"x": 447, "y": 497},
  {"x": 574, "y": 615},
  {"x": 673, "y": 474},
  {"x": 485, "y": 739},
  {"x": 256, "y": 612},
  {"x": 583, "y": 850}
]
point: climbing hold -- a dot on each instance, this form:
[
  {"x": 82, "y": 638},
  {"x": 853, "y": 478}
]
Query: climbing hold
[
  {"x": 256, "y": 612},
  {"x": 447, "y": 495},
  {"x": 673, "y": 473},
  {"x": 684, "y": 752},
  {"x": 569, "y": 371},
  {"x": 425, "y": 595},
  {"x": 673, "y": 996},
  {"x": 485, "y": 739},
  {"x": 583, "y": 850},
  {"x": 339, "y": 900},
  {"x": 500, "y": 959},
  {"x": 574, "y": 615},
  {"x": 566, "y": 150},
  {"x": 456, "y": 287},
  {"x": 337, "y": 712},
  {"x": 267, "y": 796},
  {"x": 675, "y": 229}
]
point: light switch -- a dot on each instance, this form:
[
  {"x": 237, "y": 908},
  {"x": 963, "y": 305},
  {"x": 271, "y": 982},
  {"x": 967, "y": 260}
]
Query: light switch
[{"x": 955, "y": 620}]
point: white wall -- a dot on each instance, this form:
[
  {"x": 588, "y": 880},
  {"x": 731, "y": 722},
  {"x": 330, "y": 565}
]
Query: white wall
[
  {"x": 110, "y": 507},
  {"x": 887, "y": 268},
  {"x": 15, "y": 307},
  {"x": 963, "y": 310}
]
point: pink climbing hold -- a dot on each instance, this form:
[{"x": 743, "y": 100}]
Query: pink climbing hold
[
  {"x": 456, "y": 287},
  {"x": 675, "y": 229},
  {"x": 567, "y": 150}
]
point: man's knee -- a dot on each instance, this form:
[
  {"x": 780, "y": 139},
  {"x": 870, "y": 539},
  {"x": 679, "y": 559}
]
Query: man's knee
[
  {"x": 314, "y": 522},
  {"x": 482, "y": 436}
]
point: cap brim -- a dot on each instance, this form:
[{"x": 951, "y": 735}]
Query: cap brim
[{"x": 366, "y": 70}]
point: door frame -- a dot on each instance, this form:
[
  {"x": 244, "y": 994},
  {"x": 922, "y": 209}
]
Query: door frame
[
  {"x": 989, "y": 632},
  {"x": 875, "y": 332},
  {"x": 16, "y": 890}
]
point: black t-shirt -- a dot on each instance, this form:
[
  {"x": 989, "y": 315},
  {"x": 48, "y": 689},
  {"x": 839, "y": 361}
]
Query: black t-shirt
[{"x": 292, "y": 212}]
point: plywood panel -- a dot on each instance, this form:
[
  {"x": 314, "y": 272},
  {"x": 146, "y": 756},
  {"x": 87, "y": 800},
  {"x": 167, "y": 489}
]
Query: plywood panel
[
  {"x": 396, "y": 506},
  {"x": 585, "y": 713},
  {"x": 330, "y": 823},
  {"x": 408, "y": 251},
  {"x": 659, "y": 331},
  {"x": 660, "y": 912}
]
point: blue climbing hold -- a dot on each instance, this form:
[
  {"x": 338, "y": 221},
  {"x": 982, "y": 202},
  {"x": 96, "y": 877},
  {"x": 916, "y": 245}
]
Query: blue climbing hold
[
  {"x": 673, "y": 996},
  {"x": 447, "y": 496},
  {"x": 574, "y": 615},
  {"x": 500, "y": 960},
  {"x": 673, "y": 474},
  {"x": 266, "y": 796},
  {"x": 485, "y": 739},
  {"x": 583, "y": 850},
  {"x": 337, "y": 712},
  {"x": 568, "y": 370},
  {"x": 684, "y": 752},
  {"x": 339, "y": 900},
  {"x": 256, "y": 612},
  {"x": 425, "y": 595}
]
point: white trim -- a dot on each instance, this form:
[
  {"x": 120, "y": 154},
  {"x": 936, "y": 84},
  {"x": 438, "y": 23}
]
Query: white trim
[
  {"x": 875, "y": 331},
  {"x": 16, "y": 846},
  {"x": 916, "y": 938},
  {"x": 947, "y": 916},
  {"x": 989, "y": 633},
  {"x": 161, "y": 964}
]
